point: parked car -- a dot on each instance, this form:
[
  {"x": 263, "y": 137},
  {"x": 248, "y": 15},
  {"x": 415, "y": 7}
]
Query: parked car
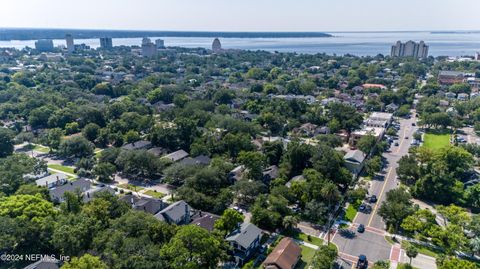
[
  {"x": 362, "y": 208},
  {"x": 413, "y": 124},
  {"x": 362, "y": 262},
  {"x": 361, "y": 228},
  {"x": 373, "y": 199},
  {"x": 396, "y": 144}
]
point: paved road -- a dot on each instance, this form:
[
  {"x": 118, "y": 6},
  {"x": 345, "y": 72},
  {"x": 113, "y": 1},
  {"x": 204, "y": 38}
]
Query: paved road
[
  {"x": 372, "y": 242},
  {"x": 381, "y": 187}
]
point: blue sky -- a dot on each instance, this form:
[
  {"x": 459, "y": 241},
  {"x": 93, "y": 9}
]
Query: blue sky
[{"x": 244, "y": 15}]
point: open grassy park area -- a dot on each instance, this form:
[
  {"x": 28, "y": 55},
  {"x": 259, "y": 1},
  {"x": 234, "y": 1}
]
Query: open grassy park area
[{"x": 436, "y": 141}]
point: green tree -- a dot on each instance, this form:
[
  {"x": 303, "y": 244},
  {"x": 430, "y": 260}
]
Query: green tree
[
  {"x": 254, "y": 163},
  {"x": 76, "y": 147},
  {"x": 91, "y": 131},
  {"x": 87, "y": 261},
  {"x": 324, "y": 257},
  {"x": 411, "y": 252},
  {"x": 54, "y": 138},
  {"x": 366, "y": 143},
  {"x": 193, "y": 247},
  {"x": 229, "y": 221},
  {"x": 104, "y": 172},
  {"x": 6, "y": 142},
  {"x": 396, "y": 208}
]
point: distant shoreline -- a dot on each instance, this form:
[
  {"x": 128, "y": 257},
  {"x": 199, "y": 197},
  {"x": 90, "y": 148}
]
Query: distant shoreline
[{"x": 8, "y": 34}]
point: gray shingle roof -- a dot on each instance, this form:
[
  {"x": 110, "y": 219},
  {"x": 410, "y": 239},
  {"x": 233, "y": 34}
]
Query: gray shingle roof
[
  {"x": 245, "y": 235},
  {"x": 177, "y": 155},
  {"x": 81, "y": 184},
  {"x": 175, "y": 211},
  {"x": 355, "y": 156},
  {"x": 142, "y": 144},
  {"x": 45, "y": 181}
]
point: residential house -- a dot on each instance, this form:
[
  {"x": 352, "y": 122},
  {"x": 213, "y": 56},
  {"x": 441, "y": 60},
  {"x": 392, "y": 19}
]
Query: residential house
[
  {"x": 145, "y": 204},
  {"x": 205, "y": 220},
  {"x": 44, "y": 264},
  {"x": 138, "y": 145},
  {"x": 462, "y": 97},
  {"x": 236, "y": 173},
  {"x": 157, "y": 151},
  {"x": 354, "y": 161},
  {"x": 450, "y": 95},
  {"x": 391, "y": 107},
  {"x": 90, "y": 194},
  {"x": 285, "y": 255},
  {"x": 176, "y": 156},
  {"x": 271, "y": 172},
  {"x": 52, "y": 181},
  {"x": 199, "y": 160},
  {"x": 244, "y": 241},
  {"x": 178, "y": 213},
  {"x": 81, "y": 185}
]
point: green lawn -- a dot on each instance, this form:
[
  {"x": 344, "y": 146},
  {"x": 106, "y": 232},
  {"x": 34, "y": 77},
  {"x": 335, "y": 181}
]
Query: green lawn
[
  {"x": 307, "y": 255},
  {"x": 429, "y": 251},
  {"x": 130, "y": 187},
  {"x": 62, "y": 168},
  {"x": 41, "y": 149},
  {"x": 313, "y": 240},
  {"x": 436, "y": 141},
  {"x": 351, "y": 212},
  {"x": 155, "y": 194}
]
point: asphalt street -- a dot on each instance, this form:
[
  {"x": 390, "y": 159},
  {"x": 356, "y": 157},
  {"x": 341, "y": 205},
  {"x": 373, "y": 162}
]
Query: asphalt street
[{"x": 372, "y": 242}]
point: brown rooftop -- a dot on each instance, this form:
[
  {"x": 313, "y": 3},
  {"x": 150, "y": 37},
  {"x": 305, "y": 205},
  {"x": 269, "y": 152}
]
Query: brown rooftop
[{"x": 284, "y": 256}]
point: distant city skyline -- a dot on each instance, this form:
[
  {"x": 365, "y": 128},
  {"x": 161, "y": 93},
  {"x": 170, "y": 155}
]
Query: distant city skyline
[{"x": 244, "y": 15}]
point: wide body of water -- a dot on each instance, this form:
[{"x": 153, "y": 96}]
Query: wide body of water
[{"x": 356, "y": 43}]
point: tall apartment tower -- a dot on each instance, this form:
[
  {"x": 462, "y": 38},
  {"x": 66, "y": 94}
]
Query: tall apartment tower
[
  {"x": 160, "y": 43},
  {"x": 106, "y": 43},
  {"x": 44, "y": 45},
  {"x": 149, "y": 49},
  {"x": 410, "y": 49},
  {"x": 70, "y": 43}
]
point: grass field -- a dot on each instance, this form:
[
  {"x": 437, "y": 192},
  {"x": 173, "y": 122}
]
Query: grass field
[
  {"x": 155, "y": 194},
  {"x": 351, "y": 212},
  {"x": 62, "y": 168},
  {"x": 130, "y": 187},
  {"x": 313, "y": 240},
  {"x": 436, "y": 141},
  {"x": 307, "y": 256}
]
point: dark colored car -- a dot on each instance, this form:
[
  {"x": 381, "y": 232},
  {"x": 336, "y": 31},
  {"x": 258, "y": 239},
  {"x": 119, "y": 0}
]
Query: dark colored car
[
  {"x": 362, "y": 262},
  {"x": 396, "y": 144},
  {"x": 361, "y": 228},
  {"x": 413, "y": 124},
  {"x": 362, "y": 208},
  {"x": 373, "y": 199}
]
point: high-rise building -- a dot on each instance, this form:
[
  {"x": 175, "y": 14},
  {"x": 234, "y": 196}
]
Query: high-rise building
[
  {"x": 477, "y": 56},
  {"x": 410, "y": 49},
  {"x": 160, "y": 43},
  {"x": 216, "y": 45},
  {"x": 44, "y": 45},
  {"x": 70, "y": 43},
  {"x": 106, "y": 43},
  {"x": 148, "y": 48}
]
